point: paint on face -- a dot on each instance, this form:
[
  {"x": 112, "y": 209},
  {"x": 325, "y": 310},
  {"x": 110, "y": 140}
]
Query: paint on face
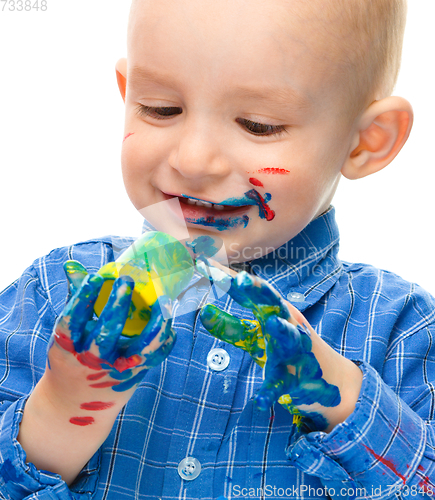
[
  {"x": 273, "y": 171},
  {"x": 253, "y": 197},
  {"x": 291, "y": 368},
  {"x": 220, "y": 223},
  {"x": 82, "y": 421},
  {"x": 127, "y": 136},
  {"x": 256, "y": 182},
  {"x": 96, "y": 405},
  {"x": 223, "y": 222}
]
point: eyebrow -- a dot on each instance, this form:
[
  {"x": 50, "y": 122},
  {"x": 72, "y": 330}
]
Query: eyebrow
[{"x": 282, "y": 96}]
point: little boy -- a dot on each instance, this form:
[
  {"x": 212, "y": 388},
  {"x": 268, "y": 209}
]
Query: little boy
[{"x": 247, "y": 113}]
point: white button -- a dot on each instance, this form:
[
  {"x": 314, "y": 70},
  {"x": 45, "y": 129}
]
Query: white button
[
  {"x": 296, "y": 297},
  {"x": 218, "y": 359},
  {"x": 189, "y": 468}
]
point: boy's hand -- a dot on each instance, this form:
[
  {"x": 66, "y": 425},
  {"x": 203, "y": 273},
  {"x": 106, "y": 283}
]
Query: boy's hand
[
  {"x": 301, "y": 371},
  {"x": 92, "y": 371},
  {"x": 92, "y": 351}
]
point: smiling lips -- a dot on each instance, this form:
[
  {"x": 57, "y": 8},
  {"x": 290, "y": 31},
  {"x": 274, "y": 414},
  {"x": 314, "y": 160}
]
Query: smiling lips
[{"x": 220, "y": 207}]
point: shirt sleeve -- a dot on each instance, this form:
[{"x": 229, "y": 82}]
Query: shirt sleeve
[
  {"x": 384, "y": 448},
  {"x": 27, "y": 318}
]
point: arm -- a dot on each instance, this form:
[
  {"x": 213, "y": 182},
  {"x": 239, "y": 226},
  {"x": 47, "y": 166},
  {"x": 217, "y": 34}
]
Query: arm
[
  {"x": 91, "y": 373},
  {"x": 383, "y": 446}
]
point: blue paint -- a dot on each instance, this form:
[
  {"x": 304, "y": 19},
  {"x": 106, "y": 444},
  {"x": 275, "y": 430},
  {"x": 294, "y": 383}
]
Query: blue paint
[
  {"x": 250, "y": 198},
  {"x": 79, "y": 310},
  {"x": 111, "y": 322},
  {"x": 14, "y": 480},
  {"x": 75, "y": 274},
  {"x": 129, "y": 384},
  {"x": 205, "y": 245},
  {"x": 220, "y": 223},
  {"x": 126, "y": 359},
  {"x": 253, "y": 197},
  {"x": 286, "y": 346}
]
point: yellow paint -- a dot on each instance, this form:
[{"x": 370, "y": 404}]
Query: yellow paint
[{"x": 159, "y": 265}]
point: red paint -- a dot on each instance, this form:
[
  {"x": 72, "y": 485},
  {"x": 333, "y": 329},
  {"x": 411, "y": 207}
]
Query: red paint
[
  {"x": 279, "y": 171},
  {"x": 65, "y": 342},
  {"x": 122, "y": 364},
  {"x": 425, "y": 482},
  {"x": 85, "y": 358},
  {"x": 96, "y": 406},
  {"x": 386, "y": 462},
  {"x": 90, "y": 360},
  {"x": 269, "y": 214},
  {"x": 127, "y": 136},
  {"x": 255, "y": 182},
  {"x": 97, "y": 376},
  {"x": 82, "y": 421},
  {"x": 102, "y": 385}
]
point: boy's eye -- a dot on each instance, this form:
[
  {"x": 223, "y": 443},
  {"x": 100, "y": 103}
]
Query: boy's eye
[
  {"x": 260, "y": 128},
  {"x": 160, "y": 113},
  {"x": 165, "y": 112}
]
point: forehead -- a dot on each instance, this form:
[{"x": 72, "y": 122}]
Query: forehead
[{"x": 280, "y": 41}]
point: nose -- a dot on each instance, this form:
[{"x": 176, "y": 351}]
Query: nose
[{"x": 198, "y": 151}]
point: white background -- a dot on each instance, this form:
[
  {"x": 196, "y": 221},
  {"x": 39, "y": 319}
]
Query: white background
[{"x": 61, "y": 128}]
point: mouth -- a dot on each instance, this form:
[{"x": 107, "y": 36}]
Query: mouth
[{"x": 220, "y": 216}]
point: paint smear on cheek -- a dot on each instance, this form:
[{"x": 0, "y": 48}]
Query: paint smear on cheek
[
  {"x": 276, "y": 171},
  {"x": 256, "y": 182},
  {"x": 96, "y": 405},
  {"x": 82, "y": 421},
  {"x": 127, "y": 136}
]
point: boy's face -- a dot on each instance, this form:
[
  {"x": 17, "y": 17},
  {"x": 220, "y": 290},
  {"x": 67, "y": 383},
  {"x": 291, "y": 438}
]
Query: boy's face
[{"x": 234, "y": 102}]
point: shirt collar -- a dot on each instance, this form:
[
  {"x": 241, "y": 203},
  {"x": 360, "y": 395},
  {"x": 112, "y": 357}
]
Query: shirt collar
[
  {"x": 304, "y": 268},
  {"x": 307, "y": 266}
]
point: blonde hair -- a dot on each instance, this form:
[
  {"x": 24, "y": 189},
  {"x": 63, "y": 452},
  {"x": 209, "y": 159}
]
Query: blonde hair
[
  {"x": 364, "y": 36},
  {"x": 367, "y": 37}
]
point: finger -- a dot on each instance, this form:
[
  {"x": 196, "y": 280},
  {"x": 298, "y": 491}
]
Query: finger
[
  {"x": 112, "y": 320},
  {"x": 256, "y": 294},
  {"x": 277, "y": 382},
  {"x": 79, "y": 310},
  {"x": 286, "y": 342},
  {"x": 75, "y": 274},
  {"x": 154, "y": 329},
  {"x": 247, "y": 290},
  {"x": 238, "y": 332},
  {"x": 164, "y": 346}
]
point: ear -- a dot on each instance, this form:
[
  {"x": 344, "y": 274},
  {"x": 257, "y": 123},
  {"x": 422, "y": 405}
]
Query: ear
[
  {"x": 382, "y": 130},
  {"x": 121, "y": 76}
]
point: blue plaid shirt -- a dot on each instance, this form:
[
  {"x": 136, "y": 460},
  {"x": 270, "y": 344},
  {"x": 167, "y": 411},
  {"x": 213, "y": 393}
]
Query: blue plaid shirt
[{"x": 183, "y": 408}]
